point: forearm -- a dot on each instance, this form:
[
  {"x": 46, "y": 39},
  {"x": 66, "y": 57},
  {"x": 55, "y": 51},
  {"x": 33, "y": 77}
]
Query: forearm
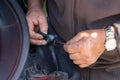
[{"x": 35, "y": 4}]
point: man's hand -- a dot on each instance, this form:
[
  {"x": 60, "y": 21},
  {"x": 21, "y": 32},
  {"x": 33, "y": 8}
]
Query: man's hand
[
  {"x": 86, "y": 47},
  {"x": 36, "y": 21}
]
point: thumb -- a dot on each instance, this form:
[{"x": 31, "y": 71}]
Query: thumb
[
  {"x": 43, "y": 25},
  {"x": 73, "y": 48}
]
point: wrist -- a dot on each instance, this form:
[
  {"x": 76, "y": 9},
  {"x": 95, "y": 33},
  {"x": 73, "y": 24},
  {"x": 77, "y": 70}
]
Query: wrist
[{"x": 34, "y": 5}]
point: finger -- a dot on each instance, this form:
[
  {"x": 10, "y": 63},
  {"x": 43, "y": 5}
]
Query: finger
[
  {"x": 73, "y": 40},
  {"x": 30, "y": 25},
  {"x": 35, "y": 21},
  {"x": 38, "y": 42},
  {"x": 78, "y": 62},
  {"x": 31, "y": 30},
  {"x": 77, "y": 38},
  {"x": 83, "y": 60},
  {"x": 83, "y": 65},
  {"x": 73, "y": 48},
  {"x": 43, "y": 25},
  {"x": 36, "y": 36},
  {"x": 75, "y": 56}
]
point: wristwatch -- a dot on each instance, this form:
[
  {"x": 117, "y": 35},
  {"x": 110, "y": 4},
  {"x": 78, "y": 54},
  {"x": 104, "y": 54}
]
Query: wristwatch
[{"x": 110, "y": 43}]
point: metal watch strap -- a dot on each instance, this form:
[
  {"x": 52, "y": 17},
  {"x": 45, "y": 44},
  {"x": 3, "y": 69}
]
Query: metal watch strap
[
  {"x": 110, "y": 43},
  {"x": 109, "y": 33}
]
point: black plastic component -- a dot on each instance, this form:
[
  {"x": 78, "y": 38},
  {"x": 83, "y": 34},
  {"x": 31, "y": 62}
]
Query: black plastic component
[{"x": 52, "y": 39}]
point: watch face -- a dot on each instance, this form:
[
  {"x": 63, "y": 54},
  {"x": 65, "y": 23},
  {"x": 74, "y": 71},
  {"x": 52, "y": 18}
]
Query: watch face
[{"x": 110, "y": 44}]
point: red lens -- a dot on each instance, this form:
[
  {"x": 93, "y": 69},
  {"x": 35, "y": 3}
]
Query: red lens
[{"x": 41, "y": 79}]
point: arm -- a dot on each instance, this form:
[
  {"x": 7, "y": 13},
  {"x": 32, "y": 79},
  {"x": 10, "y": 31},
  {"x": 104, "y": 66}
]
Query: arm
[
  {"x": 87, "y": 46},
  {"x": 36, "y": 21},
  {"x": 35, "y": 4},
  {"x": 107, "y": 57}
]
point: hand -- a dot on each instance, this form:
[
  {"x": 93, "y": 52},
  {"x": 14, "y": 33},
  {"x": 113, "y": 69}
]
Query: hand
[
  {"x": 86, "y": 47},
  {"x": 37, "y": 22}
]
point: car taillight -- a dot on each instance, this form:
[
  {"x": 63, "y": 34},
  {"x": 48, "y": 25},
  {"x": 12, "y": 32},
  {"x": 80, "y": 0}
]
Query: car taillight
[{"x": 43, "y": 78}]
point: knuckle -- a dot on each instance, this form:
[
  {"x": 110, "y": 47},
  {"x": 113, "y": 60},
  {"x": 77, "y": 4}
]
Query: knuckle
[
  {"x": 77, "y": 45},
  {"x": 67, "y": 49},
  {"x": 74, "y": 62},
  {"x": 32, "y": 35},
  {"x": 70, "y": 56}
]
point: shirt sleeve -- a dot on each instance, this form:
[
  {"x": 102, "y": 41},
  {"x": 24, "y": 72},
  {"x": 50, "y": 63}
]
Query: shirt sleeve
[{"x": 117, "y": 29}]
